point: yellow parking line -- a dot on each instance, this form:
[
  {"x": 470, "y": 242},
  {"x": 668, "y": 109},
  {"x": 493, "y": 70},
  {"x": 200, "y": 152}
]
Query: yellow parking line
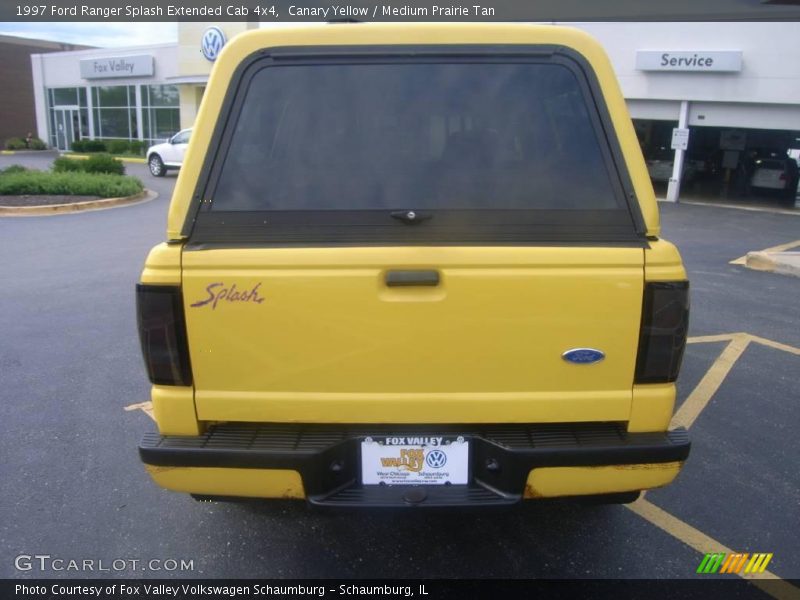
[
  {"x": 782, "y": 248},
  {"x": 686, "y": 416},
  {"x": 694, "y": 538},
  {"x": 146, "y": 407},
  {"x": 701, "y": 395},
  {"x": 702, "y": 339},
  {"x": 776, "y": 345}
]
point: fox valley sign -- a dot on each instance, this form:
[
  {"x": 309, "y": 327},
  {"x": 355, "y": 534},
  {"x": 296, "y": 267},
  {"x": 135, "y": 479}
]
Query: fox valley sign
[
  {"x": 724, "y": 61},
  {"x": 140, "y": 65}
]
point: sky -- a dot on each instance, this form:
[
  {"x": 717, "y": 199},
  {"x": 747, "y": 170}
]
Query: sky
[{"x": 104, "y": 35}]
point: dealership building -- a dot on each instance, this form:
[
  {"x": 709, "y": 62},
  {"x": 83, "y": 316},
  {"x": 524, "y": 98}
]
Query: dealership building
[
  {"x": 142, "y": 93},
  {"x": 730, "y": 87}
]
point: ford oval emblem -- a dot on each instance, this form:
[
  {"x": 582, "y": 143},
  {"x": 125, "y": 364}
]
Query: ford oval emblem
[
  {"x": 583, "y": 356},
  {"x": 212, "y": 42}
]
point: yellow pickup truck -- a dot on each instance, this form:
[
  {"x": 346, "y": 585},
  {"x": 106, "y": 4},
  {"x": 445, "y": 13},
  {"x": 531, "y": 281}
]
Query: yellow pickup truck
[{"x": 413, "y": 265}]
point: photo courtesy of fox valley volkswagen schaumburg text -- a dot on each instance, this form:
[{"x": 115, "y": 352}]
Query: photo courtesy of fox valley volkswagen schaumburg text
[{"x": 321, "y": 321}]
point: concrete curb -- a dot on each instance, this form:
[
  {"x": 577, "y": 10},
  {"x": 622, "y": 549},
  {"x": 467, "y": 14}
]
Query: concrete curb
[
  {"x": 784, "y": 263},
  {"x": 767, "y": 209},
  {"x": 28, "y": 152},
  {"x": 73, "y": 207},
  {"x": 125, "y": 159}
]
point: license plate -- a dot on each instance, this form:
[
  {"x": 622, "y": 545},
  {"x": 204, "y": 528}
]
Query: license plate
[{"x": 415, "y": 460}]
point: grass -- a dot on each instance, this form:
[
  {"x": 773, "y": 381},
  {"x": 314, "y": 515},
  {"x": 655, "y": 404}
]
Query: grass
[{"x": 43, "y": 183}]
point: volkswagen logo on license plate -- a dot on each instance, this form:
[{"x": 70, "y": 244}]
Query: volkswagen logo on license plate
[{"x": 436, "y": 459}]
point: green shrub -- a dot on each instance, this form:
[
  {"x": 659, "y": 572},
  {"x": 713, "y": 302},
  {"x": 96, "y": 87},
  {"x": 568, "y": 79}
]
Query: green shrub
[
  {"x": 103, "y": 163},
  {"x": 13, "y": 169},
  {"x": 18, "y": 143},
  {"x": 96, "y": 163},
  {"x": 66, "y": 165},
  {"x": 137, "y": 147},
  {"x": 118, "y": 146},
  {"x": 88, "y": 146},
  {"x": 43, "y": 183},
  {"x": 110, "y": 146}
]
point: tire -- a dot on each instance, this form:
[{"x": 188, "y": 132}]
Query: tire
[{"x": 156, "y": 165}]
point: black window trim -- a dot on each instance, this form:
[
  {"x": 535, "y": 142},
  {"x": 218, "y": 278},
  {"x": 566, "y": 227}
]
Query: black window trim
[{"x": 203, "y": 226}]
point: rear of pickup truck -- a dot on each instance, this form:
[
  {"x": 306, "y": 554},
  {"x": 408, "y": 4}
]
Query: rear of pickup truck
[{"x": 413, "y": 266}]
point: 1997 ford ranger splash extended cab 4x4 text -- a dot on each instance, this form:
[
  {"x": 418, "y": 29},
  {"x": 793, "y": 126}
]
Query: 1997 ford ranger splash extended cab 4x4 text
[{"x": 413, "y": 265}]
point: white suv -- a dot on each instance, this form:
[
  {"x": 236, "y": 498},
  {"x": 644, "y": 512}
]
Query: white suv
[{"x": 168, "y": 155}]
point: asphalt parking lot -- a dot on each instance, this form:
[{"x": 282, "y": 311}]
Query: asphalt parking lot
[{"x": 74, "y": 487}]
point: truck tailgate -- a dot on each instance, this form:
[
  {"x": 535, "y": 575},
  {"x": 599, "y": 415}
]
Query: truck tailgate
[{"x": 317, "y": 335}]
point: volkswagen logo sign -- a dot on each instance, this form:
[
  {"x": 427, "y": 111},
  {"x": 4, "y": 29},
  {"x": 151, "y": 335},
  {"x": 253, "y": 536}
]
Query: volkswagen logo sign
[
  {"x": 212, "y": 42},
  {"x": 436, "y": 459},
  {"x": 583, "y": 356}
]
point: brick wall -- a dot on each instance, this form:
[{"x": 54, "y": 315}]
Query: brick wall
[{"x": 17, "y": 111}]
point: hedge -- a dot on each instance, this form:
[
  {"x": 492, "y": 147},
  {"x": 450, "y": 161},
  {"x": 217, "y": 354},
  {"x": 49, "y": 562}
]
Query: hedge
[
  {"x": 110, "y": 146},
  {"x": 67, "y": 165},
  {"x": 10, "y": 170},
  {"x": 89, "y": 146},
  {"x": 97, "y": 163},
  {"x": 19, "y": 143},
  {"x": 137, "y": 147},
  {"x": 43, "y": 183},
  {"x": 118, "y": 146}
]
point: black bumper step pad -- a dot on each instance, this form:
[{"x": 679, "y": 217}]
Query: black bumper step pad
[{"x": 328, "y": 457}]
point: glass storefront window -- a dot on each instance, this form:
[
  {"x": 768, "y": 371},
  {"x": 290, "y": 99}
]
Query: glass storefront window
[
  {"x": 114, "y": 123},
  {"x": 163, "y": 122},
  {"x": 160, "y": 95},
  {"x": 160, "y": 112},
  {"x": 117, "y": 96},
  {"x": 84, "y": 125},
  {"x": 96, "y": 117},
  {"x": 114, "y": 113},
  {"x": 65, "y": 96}
]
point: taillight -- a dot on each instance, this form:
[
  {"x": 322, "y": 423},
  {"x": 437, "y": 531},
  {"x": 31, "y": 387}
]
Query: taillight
[
  {"x": 782, "y": 177},
  {"x": 162, "y": 332},
  {"x": 665, "y": 321}
]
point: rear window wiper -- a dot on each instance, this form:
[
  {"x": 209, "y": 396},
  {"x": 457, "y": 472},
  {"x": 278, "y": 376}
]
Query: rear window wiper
[{"x": 410, "y": 217}]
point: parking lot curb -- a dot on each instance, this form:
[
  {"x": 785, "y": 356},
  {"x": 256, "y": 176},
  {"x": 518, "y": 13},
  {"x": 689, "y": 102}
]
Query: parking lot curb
[
  {"x": 785, "y": 263},
  {"x": 27, "y": 152},
  {"x": 73, "y": 207},
  {"x": 766, "y": 209},
  {"x": 125, "y": 159}
]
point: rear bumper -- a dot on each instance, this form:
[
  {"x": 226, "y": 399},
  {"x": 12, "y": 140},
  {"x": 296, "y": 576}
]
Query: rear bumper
[{"x": 507, "y": 462}]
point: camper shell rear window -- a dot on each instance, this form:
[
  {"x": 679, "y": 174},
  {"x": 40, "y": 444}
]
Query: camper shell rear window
[{"x": 470, "y": 145}]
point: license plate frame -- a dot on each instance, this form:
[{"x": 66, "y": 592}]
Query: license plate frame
[{"x": 415, "y": 460}]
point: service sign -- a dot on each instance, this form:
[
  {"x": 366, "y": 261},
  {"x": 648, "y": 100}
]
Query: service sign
[
  {"x": 720, "y": 61},
  {"x": 140, "y": 65},
  {"x": 415, "y": 460}
]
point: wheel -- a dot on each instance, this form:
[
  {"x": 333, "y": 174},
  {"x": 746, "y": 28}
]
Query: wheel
[{"x": 157, "y": 168}]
